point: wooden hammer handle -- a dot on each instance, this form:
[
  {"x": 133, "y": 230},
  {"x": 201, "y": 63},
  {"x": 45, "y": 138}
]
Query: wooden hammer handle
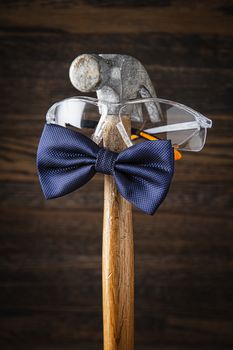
[{"x": 118, "y": 255}]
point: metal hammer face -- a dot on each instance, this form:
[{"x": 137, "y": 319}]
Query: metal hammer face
[{"x": 115, "y": 78}]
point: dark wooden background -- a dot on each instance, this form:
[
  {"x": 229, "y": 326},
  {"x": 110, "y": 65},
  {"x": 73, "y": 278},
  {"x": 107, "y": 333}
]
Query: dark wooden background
[{"x": 50, "y": 252}]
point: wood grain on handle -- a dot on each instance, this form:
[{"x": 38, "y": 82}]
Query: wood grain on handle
[{"x": 118, "y": 256}]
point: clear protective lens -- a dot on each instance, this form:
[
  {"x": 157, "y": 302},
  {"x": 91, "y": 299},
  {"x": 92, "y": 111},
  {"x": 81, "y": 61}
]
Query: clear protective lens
[
  {"x": 180, "y": 125},
  {"x": 157, "y": 118},
  {"x": 75, "y": 113}
]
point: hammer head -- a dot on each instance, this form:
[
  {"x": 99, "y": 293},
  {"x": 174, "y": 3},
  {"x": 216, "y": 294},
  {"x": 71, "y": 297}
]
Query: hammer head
[{"x": 115, "y": 78}]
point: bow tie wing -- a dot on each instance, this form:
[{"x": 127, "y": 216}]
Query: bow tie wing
[
  {"x": 65, "y": 160},
  {"x": 143, "y": 173}
]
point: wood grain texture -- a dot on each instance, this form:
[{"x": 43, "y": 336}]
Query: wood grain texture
[
  {"x": 117, "y": 254},
  {"x": 78, "y": 16},
  {"x": 50, "y": 251}
]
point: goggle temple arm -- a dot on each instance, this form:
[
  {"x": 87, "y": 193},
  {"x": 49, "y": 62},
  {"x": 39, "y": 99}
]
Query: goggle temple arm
[{"x": 174, "y": 127}]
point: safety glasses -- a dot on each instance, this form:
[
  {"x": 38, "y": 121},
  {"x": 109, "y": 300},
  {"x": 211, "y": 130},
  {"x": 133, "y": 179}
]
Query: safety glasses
[{"x": 151, "y": 118}]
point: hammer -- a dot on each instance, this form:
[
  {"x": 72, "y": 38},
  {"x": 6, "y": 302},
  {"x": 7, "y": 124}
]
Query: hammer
[{"x": 115, "y": 78}]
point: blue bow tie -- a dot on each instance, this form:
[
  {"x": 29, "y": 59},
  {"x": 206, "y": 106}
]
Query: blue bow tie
[{"x": 66, "y": 160}]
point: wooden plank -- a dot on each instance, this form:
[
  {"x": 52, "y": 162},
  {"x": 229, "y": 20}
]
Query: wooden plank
[
  {"x": 200, "y": 230},
  {"x": 196, "y": 64},
  {"x": 78, "y": 17},
  {"x": 38, "y": 53},
  {"x": 18, "y": 159},
  {"x": 180, "y": 331},
  {"x": 194, "y": 88},
  {"x": 184, "y": 196}
]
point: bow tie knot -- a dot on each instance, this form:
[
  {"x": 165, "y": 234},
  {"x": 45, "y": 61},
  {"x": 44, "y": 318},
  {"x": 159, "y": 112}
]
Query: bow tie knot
[{"x": 105, "y": 161}]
